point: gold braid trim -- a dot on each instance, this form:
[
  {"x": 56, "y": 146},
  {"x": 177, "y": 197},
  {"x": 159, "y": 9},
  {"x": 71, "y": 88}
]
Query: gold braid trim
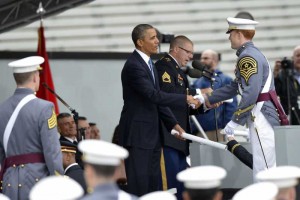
[
  {"x": 234, "y": 146},
  {"x": 241, "y": 111}
]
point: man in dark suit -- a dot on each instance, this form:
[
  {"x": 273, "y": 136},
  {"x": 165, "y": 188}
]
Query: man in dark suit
[
  {"x": 144, "y": 107},
  {"x": 72, "y": 169},
  {"x": 173, "y": 80},
  {"x": 67, "y": 130}
]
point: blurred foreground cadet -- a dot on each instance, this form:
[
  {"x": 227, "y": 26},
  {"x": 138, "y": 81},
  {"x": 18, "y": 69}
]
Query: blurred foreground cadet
[
  {"x": 29, "y": 146},
  {"x": 101, "y": 160},
  {"x": 56, "y": 188},
  {"x": 3, "y": 197},
  {"x": 286, "y": 179},
  {"x": 257, "y": 191},
  {"x": 202, "y": 182}
]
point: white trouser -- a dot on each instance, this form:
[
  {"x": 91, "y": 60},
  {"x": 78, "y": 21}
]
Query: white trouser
[{"x": 267, "y": 140}]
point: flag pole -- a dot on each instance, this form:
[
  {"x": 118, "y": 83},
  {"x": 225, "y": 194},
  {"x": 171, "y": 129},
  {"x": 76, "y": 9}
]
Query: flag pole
[{"x": 42, "y": 46}]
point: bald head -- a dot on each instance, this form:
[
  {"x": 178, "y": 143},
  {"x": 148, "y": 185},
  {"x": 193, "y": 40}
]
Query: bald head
[
  {"x": 296, "y": 58},
  {"x": 210, "y": 58}
]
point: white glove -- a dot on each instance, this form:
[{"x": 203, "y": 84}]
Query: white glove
[
  {"x": 200, "y": 98},
  {"x": 229, "y": 128}
]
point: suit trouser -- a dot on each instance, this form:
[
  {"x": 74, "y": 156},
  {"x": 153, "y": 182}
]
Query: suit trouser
[
  {"x": 267, "y": 140},
  {"x": 142, "y": 170},
  {"x": 172, "y": 162}
]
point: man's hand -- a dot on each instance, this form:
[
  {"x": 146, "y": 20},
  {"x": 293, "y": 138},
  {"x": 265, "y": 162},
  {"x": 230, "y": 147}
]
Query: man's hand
[
  {"x": 178, "y": 128},
  {"x": 194, "y": 103}
]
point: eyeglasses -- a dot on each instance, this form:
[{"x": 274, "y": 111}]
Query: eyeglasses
[{"x": 187, "y": 51}]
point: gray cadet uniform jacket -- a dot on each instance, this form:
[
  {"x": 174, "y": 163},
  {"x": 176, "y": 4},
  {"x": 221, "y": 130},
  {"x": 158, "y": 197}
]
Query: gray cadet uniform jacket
[
  {"x": 34, "y": 131},
  {"x": 251, "y": 73},
  {"x": 109, "y": 191}
]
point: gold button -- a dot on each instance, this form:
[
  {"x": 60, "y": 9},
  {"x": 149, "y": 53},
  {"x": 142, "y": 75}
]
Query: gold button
[
  {"x": 22, "y": 165},
  {"x": 14, "y": 165},
  {"x": 20, "y": 185},
  {"x": 36, "y": 179},
  {"x": 1, "y": 188},
  {"x": 1, "y": 181}
]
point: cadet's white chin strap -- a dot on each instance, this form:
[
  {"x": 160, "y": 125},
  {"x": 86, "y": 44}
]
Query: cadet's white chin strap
[{"x": 13, "y": 118}]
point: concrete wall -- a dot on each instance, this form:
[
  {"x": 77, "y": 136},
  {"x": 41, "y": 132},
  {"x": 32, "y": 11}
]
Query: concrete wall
[{"x": 92, "y": 87}]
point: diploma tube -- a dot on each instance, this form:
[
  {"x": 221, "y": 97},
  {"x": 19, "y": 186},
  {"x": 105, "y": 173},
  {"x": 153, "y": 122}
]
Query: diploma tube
[{"x": 201, "y": 140}]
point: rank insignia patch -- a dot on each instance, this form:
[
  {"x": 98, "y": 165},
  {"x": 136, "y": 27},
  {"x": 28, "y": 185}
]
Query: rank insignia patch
[
  {"x": 247, "y": 67},
  {"x": 52, "y": 120},
  {"x": 166, "y": 78}
]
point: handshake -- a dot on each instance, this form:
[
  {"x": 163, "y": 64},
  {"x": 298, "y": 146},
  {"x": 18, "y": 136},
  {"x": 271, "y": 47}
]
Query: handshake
[{"x": 196, "y": 101}]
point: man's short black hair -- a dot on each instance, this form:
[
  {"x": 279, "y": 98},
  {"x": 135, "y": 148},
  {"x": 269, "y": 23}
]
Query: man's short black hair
[
  {"x": 82, "y": 118},
  {"x": 92, "y": 124},
  {"x": 139, "y": 32},
  {"x": 62, "y": 115}
]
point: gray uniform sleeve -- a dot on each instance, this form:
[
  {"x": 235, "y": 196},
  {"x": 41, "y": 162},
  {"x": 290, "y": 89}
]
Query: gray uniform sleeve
[
  {"x": 50, "y": 141},
  {"x": 226, "y": 92}
]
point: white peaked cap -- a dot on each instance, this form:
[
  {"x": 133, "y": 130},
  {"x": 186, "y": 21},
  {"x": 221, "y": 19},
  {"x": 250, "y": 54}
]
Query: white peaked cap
[
  {"x": 56, "y": 187},
  {"x": 158, "y": 195},
  {"x": 257, "y": 191},
  {"x": 202, "y": 177},
  {"x": 282, "y": 176},
  {"x": 102, "y": 153},
  {"x": 240, "y": 24},
  {"x": 28, "y": 64},
  {"x": 3, "y": 197}
]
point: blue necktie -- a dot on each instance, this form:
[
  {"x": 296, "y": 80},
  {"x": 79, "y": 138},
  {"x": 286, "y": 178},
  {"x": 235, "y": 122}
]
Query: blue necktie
[{"x": 151, "y": 69}]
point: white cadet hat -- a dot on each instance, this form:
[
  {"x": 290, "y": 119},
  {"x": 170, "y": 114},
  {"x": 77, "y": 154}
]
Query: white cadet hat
[
  {"x": 282, "y": 176},
  {"x": 3, "y": 197},
  {"x": 28, "y": 64},
  {"x": 56, "y": 187},
  {"x": 257, "y": 191},
  {"x": 202, "y": 177},
  {"x": 240, "y": 24},
  {"x": 158, "y": 195},
  {"x": 102, "y": 153}
]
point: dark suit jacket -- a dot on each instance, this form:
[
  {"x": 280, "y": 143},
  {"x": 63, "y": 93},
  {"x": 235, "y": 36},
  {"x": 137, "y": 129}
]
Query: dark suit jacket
[
  {"x": 144, "y": 105},
  {"x": 75, "y": 172},
  {"x": 173, "y": 80}
]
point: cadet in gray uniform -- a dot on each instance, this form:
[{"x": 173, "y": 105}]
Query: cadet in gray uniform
[
  {"x": 255, "y": 83},
  {"x": 29, "y": 146},
  {"x": 101, "y": 160}
]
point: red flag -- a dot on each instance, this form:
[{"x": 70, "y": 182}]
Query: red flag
[{"x": 45, "y": 75}]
